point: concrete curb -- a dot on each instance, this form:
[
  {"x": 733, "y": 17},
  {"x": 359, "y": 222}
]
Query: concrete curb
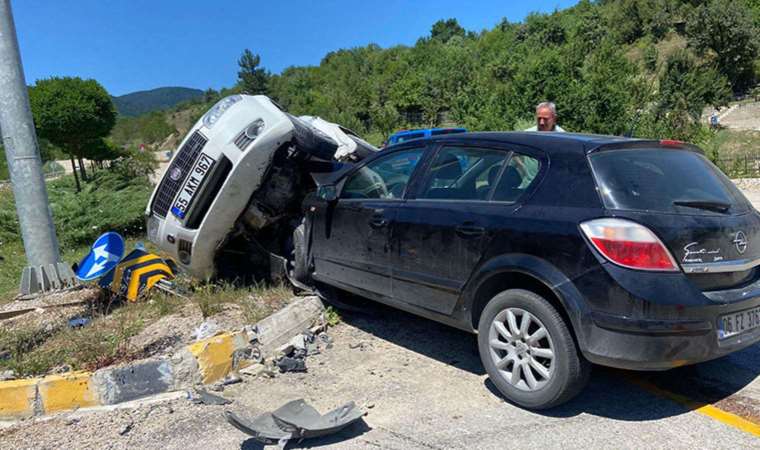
[{"x": 205, "y": 361}]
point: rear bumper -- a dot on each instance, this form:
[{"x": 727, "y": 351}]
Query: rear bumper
[{"x": 643, "y": 344}]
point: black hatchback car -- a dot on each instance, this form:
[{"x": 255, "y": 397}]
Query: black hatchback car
[{"x": 558, "y": 249}]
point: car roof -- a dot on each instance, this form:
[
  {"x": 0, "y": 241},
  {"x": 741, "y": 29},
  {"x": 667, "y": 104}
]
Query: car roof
[{"x": 548, "y": 141}]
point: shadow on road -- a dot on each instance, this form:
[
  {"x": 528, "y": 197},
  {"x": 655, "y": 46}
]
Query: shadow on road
[
  {"x": 348, "y": 433},
  {"x": 611, "y": 393}
]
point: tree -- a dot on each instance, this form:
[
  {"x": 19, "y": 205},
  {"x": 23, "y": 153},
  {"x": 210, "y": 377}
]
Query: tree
[
  {"x": 252, "y": 78},
  {"x": 725, "y": 27},
  {"x": 444, "y": 30},
  {"x": 71, "y": 112}
]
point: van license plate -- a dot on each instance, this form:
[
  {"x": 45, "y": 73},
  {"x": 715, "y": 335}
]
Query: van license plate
[
  {"x": 739, "y": 322},
  {"x": 192, "y": 185}
]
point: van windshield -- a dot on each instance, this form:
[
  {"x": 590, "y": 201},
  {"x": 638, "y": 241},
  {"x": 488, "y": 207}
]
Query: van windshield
[{"x": 664, "y": 180}]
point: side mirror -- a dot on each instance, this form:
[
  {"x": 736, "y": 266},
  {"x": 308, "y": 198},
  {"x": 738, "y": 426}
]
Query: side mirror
[{"x": 327, "y": 193}]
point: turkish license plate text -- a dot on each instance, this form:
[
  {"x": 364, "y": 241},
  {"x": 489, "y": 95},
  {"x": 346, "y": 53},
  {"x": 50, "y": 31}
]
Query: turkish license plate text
[
  {"x": 193, "y": 183},
  {"x": 738, "y": 322}
]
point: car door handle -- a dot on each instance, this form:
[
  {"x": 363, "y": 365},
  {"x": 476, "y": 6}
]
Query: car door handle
[
  {"x": 378, "y": 221},
  {"x": 470, "y": 231}
]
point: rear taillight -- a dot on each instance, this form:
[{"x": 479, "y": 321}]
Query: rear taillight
[{"x": 629, "y": 244}]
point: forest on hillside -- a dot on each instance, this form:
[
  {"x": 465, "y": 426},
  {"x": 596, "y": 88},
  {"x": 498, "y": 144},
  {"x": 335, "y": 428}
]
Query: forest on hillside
[{"x": 612, "y": 66}]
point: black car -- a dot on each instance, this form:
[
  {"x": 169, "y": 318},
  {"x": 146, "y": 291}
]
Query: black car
[{"x": 558, "y": 249}]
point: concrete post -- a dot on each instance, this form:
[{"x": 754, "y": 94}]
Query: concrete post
[{"x": 45, "y": 270}]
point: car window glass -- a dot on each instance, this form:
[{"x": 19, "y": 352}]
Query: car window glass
[
  {"x": 518, "y": 176},
  {"x": 463, "y": 173},
  {"x": 656, "y": 179},
  {"x": 385, "y": 178}
]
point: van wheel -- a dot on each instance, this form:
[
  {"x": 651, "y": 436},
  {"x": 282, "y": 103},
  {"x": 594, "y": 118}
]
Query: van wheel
[{"x": 528, "y": 351}]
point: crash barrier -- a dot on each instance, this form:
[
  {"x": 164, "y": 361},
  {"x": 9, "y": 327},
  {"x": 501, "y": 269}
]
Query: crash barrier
[
  {"x": 206, "y": 361},
  {"x": 740, "y": 166}
]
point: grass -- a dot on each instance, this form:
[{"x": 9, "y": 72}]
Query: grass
[
  {"x": 257, "y": 301},
  {"x": 736, "y": 143},
  {"x": 114, "y": 200},
  {"x": 106, "y": 339}
]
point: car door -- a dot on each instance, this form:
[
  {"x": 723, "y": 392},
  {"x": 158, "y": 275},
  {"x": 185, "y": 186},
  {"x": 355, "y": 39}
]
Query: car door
[
  {"x": 351, "y": 245},
  {"x": 439, "y": 234}
]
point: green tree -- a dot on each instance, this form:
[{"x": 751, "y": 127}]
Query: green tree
[
  {"x": 724, "y": 30},
  {"x": 444, "y": 30},
  {"x": 252, "y": 78},
  {"x": 70, "y": 113}
]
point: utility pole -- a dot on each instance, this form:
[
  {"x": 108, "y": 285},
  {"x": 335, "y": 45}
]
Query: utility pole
[{"x": 45, "y": 271}]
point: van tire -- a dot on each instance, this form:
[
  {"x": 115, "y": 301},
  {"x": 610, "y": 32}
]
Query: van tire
[{"x": 568, "y": 370}]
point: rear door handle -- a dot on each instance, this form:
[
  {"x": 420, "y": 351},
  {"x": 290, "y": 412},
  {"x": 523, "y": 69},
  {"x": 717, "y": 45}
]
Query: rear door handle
[
  {"x": 470, "y": 231},
  {"x": 378, "y": 221}
]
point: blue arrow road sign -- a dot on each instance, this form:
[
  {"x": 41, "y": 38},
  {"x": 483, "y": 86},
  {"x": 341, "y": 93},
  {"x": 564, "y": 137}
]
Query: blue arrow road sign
[{"x": 106, "y": 252}]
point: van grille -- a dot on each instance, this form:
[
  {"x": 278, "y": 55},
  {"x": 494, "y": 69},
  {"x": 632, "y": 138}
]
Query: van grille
[{"x": 181, "y": 165}]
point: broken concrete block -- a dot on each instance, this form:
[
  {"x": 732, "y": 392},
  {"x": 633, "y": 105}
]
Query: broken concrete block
[{"x": 279, "y": 328}]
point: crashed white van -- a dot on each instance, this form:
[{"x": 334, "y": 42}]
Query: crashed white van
[{"x": 231, "y": 196}]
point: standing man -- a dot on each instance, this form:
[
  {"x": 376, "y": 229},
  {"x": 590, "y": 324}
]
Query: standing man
[{"x": 546, "y": 118}]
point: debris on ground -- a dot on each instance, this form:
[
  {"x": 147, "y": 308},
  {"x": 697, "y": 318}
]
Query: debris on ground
[
  {"x": 199, "y": 396},
  {"x": 7, "y": 375},
  {"x": 291, "y": 364},
  {"x": 126, "y": 428},
  {"x": 79, "y": 322},
  {"x": 295, "y": 420},
  {"x": 294, "y": 353},
  {"x": 205, "y": 330}
]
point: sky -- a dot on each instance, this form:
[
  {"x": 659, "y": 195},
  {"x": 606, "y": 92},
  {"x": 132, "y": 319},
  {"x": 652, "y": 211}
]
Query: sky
[{"x": 132, "y": 45}]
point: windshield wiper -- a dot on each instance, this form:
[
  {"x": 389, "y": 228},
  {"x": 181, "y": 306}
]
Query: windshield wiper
[{"x": 710, "y": 205}]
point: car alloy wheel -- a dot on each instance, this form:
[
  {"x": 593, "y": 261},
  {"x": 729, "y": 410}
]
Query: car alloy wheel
[{"x": 521, "y": 349}]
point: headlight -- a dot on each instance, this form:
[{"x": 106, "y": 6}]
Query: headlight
[
  {"x": 213, "y": 115},
  {"x": 152, "y": 228}
]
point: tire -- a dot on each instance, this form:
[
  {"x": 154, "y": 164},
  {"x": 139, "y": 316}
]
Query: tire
[{"x": 564, "y": 374}]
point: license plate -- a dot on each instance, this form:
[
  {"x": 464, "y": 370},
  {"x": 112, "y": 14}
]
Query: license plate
[
  {"x": 738, "y": 323},
  {"x": 192, "y": 185}
]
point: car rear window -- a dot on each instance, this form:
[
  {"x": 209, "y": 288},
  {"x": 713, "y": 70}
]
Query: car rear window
[{"x": 664, "y": 180}]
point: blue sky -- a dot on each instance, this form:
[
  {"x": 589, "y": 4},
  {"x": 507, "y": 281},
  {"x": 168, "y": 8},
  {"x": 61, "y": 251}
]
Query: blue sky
[{"x": 131, "y": 45}]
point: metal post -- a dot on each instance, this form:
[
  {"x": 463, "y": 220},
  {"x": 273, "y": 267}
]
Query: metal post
[{"x": 45, "y": 270}]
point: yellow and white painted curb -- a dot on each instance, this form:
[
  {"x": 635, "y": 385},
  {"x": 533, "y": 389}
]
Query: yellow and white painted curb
[{"x": 212, "y": 359}]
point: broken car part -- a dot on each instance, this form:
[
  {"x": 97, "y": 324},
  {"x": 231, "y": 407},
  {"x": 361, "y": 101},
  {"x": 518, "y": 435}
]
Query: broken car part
[{"x": 295, "y": 420}]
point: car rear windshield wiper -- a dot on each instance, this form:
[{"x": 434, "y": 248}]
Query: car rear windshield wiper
[{"x": 710, "y": 205}]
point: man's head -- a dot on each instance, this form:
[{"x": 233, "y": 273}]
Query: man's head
[{"x": 546, "y": 116}]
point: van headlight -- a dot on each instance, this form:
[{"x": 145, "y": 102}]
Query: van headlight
[
  {"x": 213, "y": 114},
  {"x": 152, "y": 228}
]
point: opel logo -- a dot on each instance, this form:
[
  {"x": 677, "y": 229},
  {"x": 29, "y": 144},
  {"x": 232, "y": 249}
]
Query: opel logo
[
  {"x": 175, "y": 174},
  {"x": 740, "y": 241}
]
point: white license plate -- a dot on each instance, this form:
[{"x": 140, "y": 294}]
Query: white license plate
[
  {"x": 192, "y": 185},
  {"x": 738, "y": 322}
]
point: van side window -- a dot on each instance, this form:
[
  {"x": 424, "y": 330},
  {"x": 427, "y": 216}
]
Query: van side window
[
  {"x": 518, "y": 176},
  {"x": 463, "y": 173},
  {"x": 384, "y": 178}
]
